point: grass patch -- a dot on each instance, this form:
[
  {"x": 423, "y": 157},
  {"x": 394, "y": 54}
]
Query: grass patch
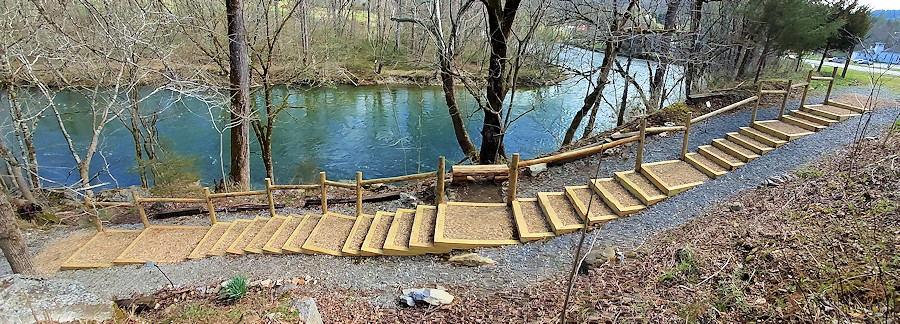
[
  {"x": 810, "y": 172},
  {"x": 861, "y": 78}
]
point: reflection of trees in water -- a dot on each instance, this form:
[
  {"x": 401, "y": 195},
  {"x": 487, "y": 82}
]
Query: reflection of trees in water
[{"x": 305, "y": 171}]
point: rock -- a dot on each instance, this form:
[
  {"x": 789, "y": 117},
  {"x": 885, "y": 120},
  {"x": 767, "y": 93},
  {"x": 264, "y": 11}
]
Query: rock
[
  {"x": 285, "y": 288},
  {"x": 471, "y": 260},
  {"x": 408, "y": 199},
  {"x": 306, "y": 306},
  {"x": 268, "y": 283},
  {"x": 736, "y": 206},
  {"x": 434, "y": 297},
  {"x": 596, "y": 258},
  {"x": 664, "y": 134},
  {"x": 669, "y": 124},
  {"x": 23, "y": 297},
  {"x": 536, "y": 169}
]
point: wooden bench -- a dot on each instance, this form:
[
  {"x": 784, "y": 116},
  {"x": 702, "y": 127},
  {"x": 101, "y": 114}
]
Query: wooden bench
[{"x": 461, "y": 173}]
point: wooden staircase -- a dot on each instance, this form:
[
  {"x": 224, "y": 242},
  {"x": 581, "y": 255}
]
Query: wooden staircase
[{"x": 460, "y": 225}]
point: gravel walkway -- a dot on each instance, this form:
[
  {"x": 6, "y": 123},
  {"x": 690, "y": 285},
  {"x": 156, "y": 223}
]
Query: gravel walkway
[{"x": 377, "y": 279}]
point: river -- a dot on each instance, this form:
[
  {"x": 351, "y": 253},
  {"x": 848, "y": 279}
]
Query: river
[{"x": 383, "y": 131}]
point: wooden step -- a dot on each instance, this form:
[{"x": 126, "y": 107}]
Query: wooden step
[
  {"x": 802, "y": 123},
  {"x": 616, "y": 197},
  {"x": 301, "y": 233},
  {"x": 781, "y": 129},
  {"x": 814, "y": 118},
  {"x": 709, "y": 167},
  {"x": 248, "y": 235},
  {"x": 639, "y": 186},
  {"x": 101, "y": 250},
  {"x": 674, "y": 176},
  {"x": 466, "y": 225},
  {"x": 163, "y": 244},
  {"x": 397, "y": 240},
  {"x": 330, "y": 234},
  {"x": 589, "y": 205},
  {"x": 562, "y": 215},
  {"x": 762, "y": 137},
  {"x": 531, "y": 221},
  {"x": 830, "y": 112},
  {"x": 421, "y": 239},
  {"x": 846, "y": 106},
  {"x": 726, "y": 160},
  {"x": 377, "y": 235},
  {"x": 749, "y": 143},
  {"x": 209, "y": 240},
  {"x": 265, "y": 234},
  {"x": 277, "y": 241},
  {"x": 734, "y": 149},
  {"x": 358, "y": 235},
  {"x": 231, "y": 235}
]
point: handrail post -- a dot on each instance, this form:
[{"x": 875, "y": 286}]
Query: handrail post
[
  {"x": 513, "y": 179},
  {"x": 439, "y": 186},
  {"x": 324, "y": 192},
  {"x": 209, "y": 205},
  {"x": 756, "y": 106},
  {"x": 806, "y": 89},
  {"x": 639, "y": 158},
  {"x": 271, "y": 199},
  {"x": 830, "y": 84},
  {"x": 784, "y": 101},
  {"x": 687, "y": 132},
  {"x": 137, "y": 204},
  {"x": 358, "y": 193}
]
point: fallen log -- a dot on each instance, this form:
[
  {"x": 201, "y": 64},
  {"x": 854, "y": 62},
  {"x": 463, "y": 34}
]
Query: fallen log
[
  {"x": 375, "y": 198},
  {"x": 169, "y": 213}
]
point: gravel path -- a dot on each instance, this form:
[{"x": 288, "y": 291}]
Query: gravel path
[{"x": 377, "y": 279}]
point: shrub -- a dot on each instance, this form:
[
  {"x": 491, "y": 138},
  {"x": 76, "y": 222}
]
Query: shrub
[{"x": 235, "y": 288}]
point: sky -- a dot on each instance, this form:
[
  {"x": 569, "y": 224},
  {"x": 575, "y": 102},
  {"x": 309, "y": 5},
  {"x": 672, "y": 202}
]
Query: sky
[{"x": 882, "y": 4}]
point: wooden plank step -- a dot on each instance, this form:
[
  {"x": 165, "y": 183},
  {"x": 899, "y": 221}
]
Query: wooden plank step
[
  {"x": 101, "y": 250},
  {"x": 421, "y": 239},
  {"x": 531, "y": 220},
  {"x": 562, "y": 215},
  {"x": 673, "y": 176},
  {"x": 803, "y": 123},
  {"x": 734, "y": 149},
  {"x": 265, "y": 234},
  {"x": 726, "y": 160},
  {"x": 162, "y": 244},
  {"x": 377, "y": 235},
  {"x": 276, "y": 242},
  {"x": 209, "y": 240},
  {"x": 589, "y": 205},
  {"x": 830, "y": 112},
  {"x": 749, "y": 143},
  {"x": 616, "y": 197},
  {"x": 781, "y": 129},
  {"x": 762, "y": 137},
  {"x": 295, "y": 242},
  {"x": 814, "y": 118},
  {"x": 247, "y": 236},
  {"x": 330, "y": 234},
  {"x": 846, "y": 106},
  {"x": 709, "y": 167},
  {"x": 464, "y": 225},
  {"x": 358, "y": 235},
  {"x": 639, "y": 186},
  {"x": 234, "y": 231},
  {"x": 397, "y": 241}
]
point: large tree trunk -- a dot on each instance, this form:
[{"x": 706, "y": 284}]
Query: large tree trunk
[
  {"x": 762, "y": 61},
  {"x": 239, "y": 78},
  {"x": 500, "y": 18},
  {"x": 11, "y": 243},
  {"x": 694, "y": 43},
  {"x": 659, "y": 78},
  {"x": 847, "y": 61},
  {"x": 745, "y": 60},
  {"x": 459, "y": 124},
  {"x": 822, "y": 60}
]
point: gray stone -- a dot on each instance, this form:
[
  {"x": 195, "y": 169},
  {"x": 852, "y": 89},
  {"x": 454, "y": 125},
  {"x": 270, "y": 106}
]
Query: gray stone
[
  {"x": 669, "y": 124},
  {"x": 306, "y": 306},
  {"x": 736, "y": 206},
  {"x": 537, "y": 168},
  {"x": 435, "y": 297},
  {"x": 122, "y": 194},
  {"x": 408, "y": 199},
  {"x": 22, "y": 298},
  {"x": 471, "y": 260},
  {"x": 285, "y": 288}
]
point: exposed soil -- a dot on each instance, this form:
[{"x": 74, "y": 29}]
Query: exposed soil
[
  {"x": 105, "y": 247},
  {"x": 564, "y": 210},
  {"x": 493, "y": 223},
  {"x": 170, "y": 244},
  {"x": 215, "y": 232},
  {"x": 677, "y": 173},
  {"x": 535, "y": 220},
  {"x": 404, "y": 221}
]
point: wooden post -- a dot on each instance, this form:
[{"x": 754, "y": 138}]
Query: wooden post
[
  {"x": 271, "y": 199},
  {"x": 513, "y": 179},
  {"x": 209, "y": 205},
  {"x": 687, "y": 132},
  {"x": 784, "y": 101},
  {"x": 806, "y": 89},
  {"x": 439, "y": 186},
  {"x": 639, "y": 158},
  {"x": 830, "y": 84},
  {"x": 137, "y": 204},
  {"x": 95, "y": 213},
  {"x": 358, "y": 193},
  {"x": 324, "y": 192},
  {"x": 756, "y": 106}
]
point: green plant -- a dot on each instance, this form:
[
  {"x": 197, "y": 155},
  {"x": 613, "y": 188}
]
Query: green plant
[
  {"x": 810, "y": 172},
  {"x": 235, "y": 288}
]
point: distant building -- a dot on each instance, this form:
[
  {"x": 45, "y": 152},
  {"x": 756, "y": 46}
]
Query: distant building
[{"x": 877, "y": 53}]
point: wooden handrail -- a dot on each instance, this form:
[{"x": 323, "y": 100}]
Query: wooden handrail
[
  {"x": 724, "y": 109},
  {"x": 172, "y": 200},
  {"x": 238, "y": 194},
  {"x": 410, "y": 177},
  {"x": 579, "y": 152},
  {"x": 773, "y": 92}
]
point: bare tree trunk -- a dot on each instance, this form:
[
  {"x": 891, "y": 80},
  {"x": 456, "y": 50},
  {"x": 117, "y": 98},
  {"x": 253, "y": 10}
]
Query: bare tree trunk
[
  {"x": 762, "y": 61},
  {"x": 11, "y": 242},
  {"x": 799, "y": 61},
  {"x": 239, "y": 78},
  {"x": 620, "y": 119},
  {"x": 459, "y": 124},
  {"x": 745, "y": 59},
  {"x": 694, "y": 43},
  {"x": 304, "y": 33},
  {"x": 822, "y": 60},
  {"x": 659, "y": 78},
  {"x": 500, "y": 18},
  {"x": 847, "y": 61}
]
